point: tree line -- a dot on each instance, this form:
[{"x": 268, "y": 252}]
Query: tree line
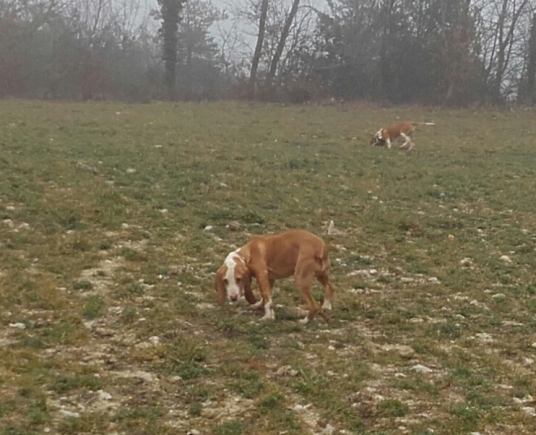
[{"x": 451, "y": 52}]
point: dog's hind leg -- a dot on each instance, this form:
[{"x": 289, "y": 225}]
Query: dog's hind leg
[
  {"x": 328, "y": 295},
  {"x": 407, "y": 140},
  {"x": 303, "y": 277}
]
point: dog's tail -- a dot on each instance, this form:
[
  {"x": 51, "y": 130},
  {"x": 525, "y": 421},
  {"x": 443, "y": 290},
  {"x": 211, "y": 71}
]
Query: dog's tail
[
  {"x": 423, "y": 123},
  {"x": 328, "y": 239},
  {"x": 331, "y": 231}
]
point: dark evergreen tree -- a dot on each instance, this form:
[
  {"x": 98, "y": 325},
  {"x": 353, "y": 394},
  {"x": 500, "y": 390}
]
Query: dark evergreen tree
[{"x": 170, "y": 14}]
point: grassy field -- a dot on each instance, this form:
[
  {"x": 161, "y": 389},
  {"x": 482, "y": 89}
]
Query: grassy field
[{"x": 114, "y": 218}]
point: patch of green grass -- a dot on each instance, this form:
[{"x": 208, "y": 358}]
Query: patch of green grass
[
  {"x": 14, "y": 430},
  {"x": 392, "y": 408},
  {"x": 85, "y": 423},
  {"x": 272, "y": 401},
  {"x": 38, "y": 412},
  {"x": 195, "y": 409},
  {"x": 467, "y": 417},
  {"x": 230, "y": 428},
  {"x": 167, "y": 171},
  {"x": 82, "y": 285},
  {"x": 66, "y": 383},
  {"x": 93, "y": 307},
  {"x": 133, "y": 255},
  {"x": 185, "y": 358}
]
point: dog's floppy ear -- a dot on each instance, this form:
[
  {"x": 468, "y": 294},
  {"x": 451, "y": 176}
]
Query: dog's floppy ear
[
  {"x": 248, "y": 293},
  {"x": 220, "y": 287}
]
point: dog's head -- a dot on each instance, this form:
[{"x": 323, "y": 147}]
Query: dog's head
[
  {"x": 377, "y": 139},
  {"x": 233, "y": 280}
]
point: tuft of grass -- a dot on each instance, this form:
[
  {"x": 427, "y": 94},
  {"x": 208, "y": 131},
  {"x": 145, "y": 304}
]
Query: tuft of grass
[
  {"x": 64, "y": 384},
  {"x": 82, "y": 285},
  {"x": 93, "y": 307},
  {"x": 392, "y": 408},
  {"x": 230, "y": 428}
]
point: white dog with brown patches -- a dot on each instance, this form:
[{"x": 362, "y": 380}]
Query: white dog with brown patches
[
  {"x": 384, "y": 136},
  {"x": 296, "y": 253}
]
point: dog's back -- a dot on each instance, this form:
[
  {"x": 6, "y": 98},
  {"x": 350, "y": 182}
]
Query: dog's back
[
  {"x": 282, "y": 251},
  {"x": 394, "y": 131}
]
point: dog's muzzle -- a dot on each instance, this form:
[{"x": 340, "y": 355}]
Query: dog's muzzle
[{"x": 377, "y": 141}]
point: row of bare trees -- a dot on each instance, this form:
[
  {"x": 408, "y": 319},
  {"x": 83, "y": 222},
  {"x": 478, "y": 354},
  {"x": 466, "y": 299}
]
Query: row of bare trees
[{"x": 453, "y": 52}]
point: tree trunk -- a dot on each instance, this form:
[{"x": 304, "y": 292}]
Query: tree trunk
[
  {"x": 385, "y": 65},
  {"x": 282, "y": 41},
  {"x": 506, "y": 41},
  {"x": 258, "y": 47},
  {"x": 531, "y": 65},
  {"x": 171, "y": 10}
]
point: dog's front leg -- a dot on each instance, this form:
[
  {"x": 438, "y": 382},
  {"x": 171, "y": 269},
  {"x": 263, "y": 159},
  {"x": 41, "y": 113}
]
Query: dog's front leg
[
  {"x": 265, "y": 289},
  {"x": 407, "y": 140},
  {"x": 260, "y": 304}
]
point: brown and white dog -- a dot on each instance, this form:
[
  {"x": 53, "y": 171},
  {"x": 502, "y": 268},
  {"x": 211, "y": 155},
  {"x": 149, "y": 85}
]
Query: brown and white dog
[
  {"x": 384, "y": 136},
  {"x": 296, "y": 253}
]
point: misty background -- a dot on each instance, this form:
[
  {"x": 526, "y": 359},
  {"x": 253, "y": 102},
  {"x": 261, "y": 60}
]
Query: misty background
[{"x": 452, "y": 52}]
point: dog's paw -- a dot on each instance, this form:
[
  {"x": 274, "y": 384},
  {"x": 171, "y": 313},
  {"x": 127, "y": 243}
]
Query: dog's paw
[
  {"x": 257, "y": 305},
  {"x": 326, "y": 314}
]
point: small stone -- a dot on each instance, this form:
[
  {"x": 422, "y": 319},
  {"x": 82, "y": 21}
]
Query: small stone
[
  {"x": 434, "y": 280},
  {"x": 209, "y": 228},
  {"x": 131, "y": 170},
  {"x": 69, "y": 414},
  {"x": 498, "y": 296},
  {"x": 103, "y": 395},
  {"x": 506, "y": 259},
  {"x": 286, "y": 371},
  {"x": 329, "y": 429},
  {"x": 529, "y": 410},
  {"x": 363, "y": 272},
  {"x": 401, "y": 350},
  {"x": 234, "y": 225},
  {"x": 193, "y": 432},
  {"x": 485, "y": 337},
  {"x": 421, "y": 369},
  {"x": 466, "y": 262},
  {"x": 17, "y": 325},
  {"x": 154, "y": 340},
  {"x": 299, "y": 408}
]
